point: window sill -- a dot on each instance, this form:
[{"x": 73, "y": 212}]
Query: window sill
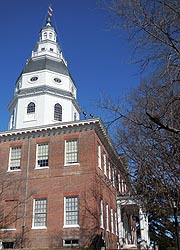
[
  {"x": 41, "y": 167},
  {"x": 71, "y": 164},
  {"x": 15, "y": 170},
  {"x": 71, "y": 226},
  {"x": 7, "y": 229},
  {"x": 39, "y": 228}
]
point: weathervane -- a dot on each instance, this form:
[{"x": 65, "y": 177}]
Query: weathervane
[{"x": 50, "y": 11}]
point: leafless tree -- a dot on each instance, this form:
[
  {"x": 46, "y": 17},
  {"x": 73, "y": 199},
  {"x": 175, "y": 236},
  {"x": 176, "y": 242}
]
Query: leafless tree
[
  {"x": 148, "y": 130},
  {"x": 12, "y": 204},
  {"x": 147, "y": 126}
]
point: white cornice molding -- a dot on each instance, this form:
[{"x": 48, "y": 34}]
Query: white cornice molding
[{"x": 49, "y": 127}]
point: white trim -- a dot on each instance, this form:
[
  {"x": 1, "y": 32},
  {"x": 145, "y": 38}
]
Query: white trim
[
  {"x": 119, "y": 182},
  {"x": 112, "y": 221},
  {"x": 37, "y": 228},
  {"x": 107, "y": 218},
  {"x": 113, "y": 176},
  {"x": 115, "y": 219},
  {"x": 70, "y": 225},
  {"x": 70, "y": 245},
  {"x": 72, "y": 164},
  {"x": 10, "y": 157},
  {"x": 99, "y": 156},
  {"x": 15, "y": 170},
  {"x": 101, "y": 214},
  {"x": 7, "y": 229},
  {"x": 109, "y": 169},
  {"x": 36, "y": 165},
  {"x": 40, "y": 227},
  {"x": 105, "y": 164}
]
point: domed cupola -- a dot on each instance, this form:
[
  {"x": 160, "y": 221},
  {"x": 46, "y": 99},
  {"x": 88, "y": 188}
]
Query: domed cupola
[{"x": 45, "y": 92}]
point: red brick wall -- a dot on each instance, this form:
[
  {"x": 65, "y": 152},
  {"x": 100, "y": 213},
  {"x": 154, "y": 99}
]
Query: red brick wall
[{"x": 84, "y": 180}]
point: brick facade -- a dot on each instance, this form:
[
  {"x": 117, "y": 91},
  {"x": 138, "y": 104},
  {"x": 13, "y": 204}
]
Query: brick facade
[{"x": 84, "y": 179}]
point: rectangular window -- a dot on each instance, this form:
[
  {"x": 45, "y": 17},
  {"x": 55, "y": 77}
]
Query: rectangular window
[
  {"x": 71, "y": 211},
  {"x": 71, "y": 151},
  {"x": 40, "y": 213},
  {"x": 107, "y": 217},
  {"x": 71, "y": 243},
  {"x": 109, "y": 168},
  {"x": 119, "y": 182},
  {"x": 113, "y": 177},
  {"x": 15, "y": 158},
  {"x": 104, "y": 163},
  {"x": 123, "y": 186},
  {"x": 42, "y": 155},
  {"x": 112, "y": 221},
  {"x": 99, "y": 156},
  {"x": 101, "y": 214},
  {"x": 115, "y": 220}
]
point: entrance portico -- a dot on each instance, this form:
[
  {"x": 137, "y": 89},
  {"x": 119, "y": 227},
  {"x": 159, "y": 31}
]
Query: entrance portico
[{"x": 128, "y": 209}]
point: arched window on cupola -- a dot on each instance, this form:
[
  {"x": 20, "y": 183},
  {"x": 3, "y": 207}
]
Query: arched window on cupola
[
  {"x": 45, "y": 35},
  {"x": 57, "y": 112},
  {"x": 50, "y": 35},
  {"x": 31, "y": 108}
]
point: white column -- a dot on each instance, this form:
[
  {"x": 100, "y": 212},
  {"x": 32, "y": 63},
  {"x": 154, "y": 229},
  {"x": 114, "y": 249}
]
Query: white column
[
  {"x": 144, "y": 227},
  {"x": 120, "y": 224}
]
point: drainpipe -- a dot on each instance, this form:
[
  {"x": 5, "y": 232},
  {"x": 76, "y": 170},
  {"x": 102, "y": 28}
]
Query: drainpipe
[{"x": 26, "y": 195}]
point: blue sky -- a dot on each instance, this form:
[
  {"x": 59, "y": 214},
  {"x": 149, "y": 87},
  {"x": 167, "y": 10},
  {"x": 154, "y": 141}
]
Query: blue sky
[{"x": 98, "y": 57}]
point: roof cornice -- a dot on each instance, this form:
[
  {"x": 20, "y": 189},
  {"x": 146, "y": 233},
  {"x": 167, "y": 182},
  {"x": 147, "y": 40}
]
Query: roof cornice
[{"x": 28, "y": 131}]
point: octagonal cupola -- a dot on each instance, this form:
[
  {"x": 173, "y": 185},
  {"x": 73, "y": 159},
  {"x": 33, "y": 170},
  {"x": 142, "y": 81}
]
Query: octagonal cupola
[{"x": 45, "y": 92}]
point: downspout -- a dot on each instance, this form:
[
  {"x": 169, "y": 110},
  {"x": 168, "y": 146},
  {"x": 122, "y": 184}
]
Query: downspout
[{"x": 26, "y": 195}]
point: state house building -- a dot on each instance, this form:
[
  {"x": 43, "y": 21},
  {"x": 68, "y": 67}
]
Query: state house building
[{"x": 62, "y": 183}]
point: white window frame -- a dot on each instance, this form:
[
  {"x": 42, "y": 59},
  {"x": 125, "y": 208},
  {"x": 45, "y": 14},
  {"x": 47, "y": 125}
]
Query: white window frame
[
  {"x": 105, "y": 164},
  {"x": 75, "y": 211},
  {"x": 33, "y": 220},
  {"x": 109, "y": 168},
  {"x": 107, "y": 217},
  {"x": 37, "y": 166},
  {"x": 57, "y": 112},
  {"x": 99, "y": 156},
  {"x": 113, "y": 176},
  {"x": 119, "y": 182},
  {"x": 75, "y": 152},
  {"x": 115, "y": 221},
  {"x": 71, "y": 244},
  {"x": 112, "y": 221},
  {"x": 17, "y": 168},
  {"x": 101, "y": 214},
  {"x": 123, "y": 186}
]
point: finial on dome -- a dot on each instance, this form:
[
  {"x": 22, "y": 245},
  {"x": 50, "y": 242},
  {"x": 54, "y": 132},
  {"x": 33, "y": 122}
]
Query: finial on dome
[{"x": 50, "y": 12}]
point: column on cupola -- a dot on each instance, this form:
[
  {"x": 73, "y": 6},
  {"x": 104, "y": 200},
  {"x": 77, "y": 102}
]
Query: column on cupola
[{"x": 144, "y": 227}]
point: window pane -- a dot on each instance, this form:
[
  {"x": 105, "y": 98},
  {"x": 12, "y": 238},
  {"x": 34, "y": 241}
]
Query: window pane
[
  {"x": 31, "y": 108},
  {"x": 15, "y": 158},
  {"x": 71, "y": 151},
  {"x": 57, "y": 112},
  {"x": 42, "y": 154},
  {"x": 71, "y": 210},
  {"x": 40, "y": 212}
]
